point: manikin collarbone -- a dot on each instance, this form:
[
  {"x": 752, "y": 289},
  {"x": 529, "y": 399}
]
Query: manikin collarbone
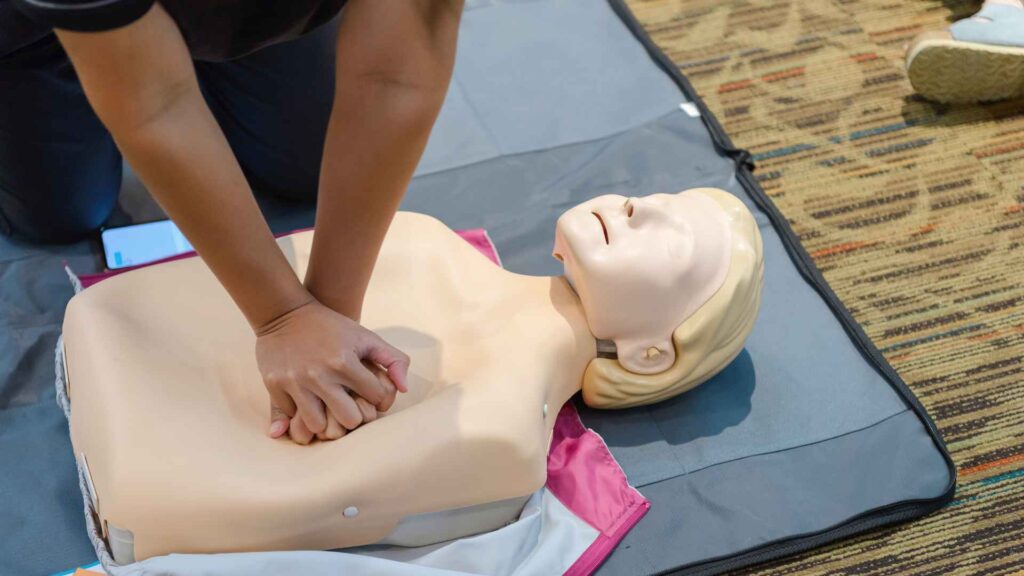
[{"x": 169, "y": 413}]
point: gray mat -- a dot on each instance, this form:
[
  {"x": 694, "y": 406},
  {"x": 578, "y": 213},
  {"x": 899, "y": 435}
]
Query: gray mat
[{"x": 806, "y": 437}]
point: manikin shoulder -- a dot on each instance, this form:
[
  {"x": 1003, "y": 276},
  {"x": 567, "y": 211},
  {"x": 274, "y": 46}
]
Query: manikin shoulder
[{"x": 417, "y": 248}]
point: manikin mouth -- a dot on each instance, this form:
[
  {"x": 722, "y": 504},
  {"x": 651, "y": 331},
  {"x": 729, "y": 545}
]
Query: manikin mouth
[{"x": 604, "y": 229}]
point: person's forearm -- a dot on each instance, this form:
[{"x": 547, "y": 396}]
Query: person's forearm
[
  {"x": 375, "y": 138},
  {"x": 141, "y": 83},
  {"x": 186, "y": 163},
  {"x": 394, "y": 65}
]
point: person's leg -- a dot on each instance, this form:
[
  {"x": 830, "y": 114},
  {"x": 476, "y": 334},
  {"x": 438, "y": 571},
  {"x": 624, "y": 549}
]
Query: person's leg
[
  {"x": 60, "y": 171},
  {"x": 273, "y": 106}
]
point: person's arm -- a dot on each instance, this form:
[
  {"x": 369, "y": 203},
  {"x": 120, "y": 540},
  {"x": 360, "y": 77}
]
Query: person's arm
[
  {"x": 141, "y": 82},
  {"x": 394, "y": 64}
]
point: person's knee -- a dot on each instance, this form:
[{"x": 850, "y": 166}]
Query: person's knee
[{"x": 54, "y": 222}]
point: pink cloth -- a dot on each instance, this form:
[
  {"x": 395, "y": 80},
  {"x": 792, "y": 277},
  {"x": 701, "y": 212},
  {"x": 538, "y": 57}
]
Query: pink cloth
[
  {"x": 585, "y": 478},
  {"x": 582, "y": 473}
]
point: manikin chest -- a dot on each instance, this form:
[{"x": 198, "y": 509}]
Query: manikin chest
[{"x": 169, "y": 412}]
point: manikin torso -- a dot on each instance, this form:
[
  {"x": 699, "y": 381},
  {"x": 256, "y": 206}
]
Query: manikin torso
[
  {"x": 173, "y": 430},
  {"x": 169, "y": 412}
]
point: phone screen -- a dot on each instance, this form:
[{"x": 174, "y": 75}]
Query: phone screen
[{"x": 142, "y": 243}]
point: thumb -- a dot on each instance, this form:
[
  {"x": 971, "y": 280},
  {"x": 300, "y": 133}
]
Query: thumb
[
  {"x": 278, "y": 422},
  {"x": 393, "y": 361}
]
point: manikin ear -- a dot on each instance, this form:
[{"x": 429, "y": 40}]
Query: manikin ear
[{"x": 645, "y": 355}]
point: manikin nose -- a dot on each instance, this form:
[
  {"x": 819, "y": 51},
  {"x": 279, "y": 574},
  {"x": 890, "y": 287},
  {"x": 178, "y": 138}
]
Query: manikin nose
[{"x": 641, "y": 212}]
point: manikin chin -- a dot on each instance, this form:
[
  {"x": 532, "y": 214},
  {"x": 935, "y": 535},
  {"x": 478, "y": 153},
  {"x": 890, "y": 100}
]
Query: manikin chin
[{"x": 168, "y": 411}]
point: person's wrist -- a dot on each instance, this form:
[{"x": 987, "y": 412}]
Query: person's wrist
[
  {"x": 287, "y": 309},
  {"x": 346, "y": 306}
]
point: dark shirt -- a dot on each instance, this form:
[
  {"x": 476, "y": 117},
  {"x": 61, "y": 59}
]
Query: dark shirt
[{"x": 213, "y": 29}]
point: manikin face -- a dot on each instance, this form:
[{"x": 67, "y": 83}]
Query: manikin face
[{"x": 641, "y": 266}]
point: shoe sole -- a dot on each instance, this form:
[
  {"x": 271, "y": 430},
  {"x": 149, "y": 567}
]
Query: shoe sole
[{"x": 955, "y": 72}]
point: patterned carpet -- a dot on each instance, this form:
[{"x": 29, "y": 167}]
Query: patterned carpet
[{"x": 915, "y": 213}]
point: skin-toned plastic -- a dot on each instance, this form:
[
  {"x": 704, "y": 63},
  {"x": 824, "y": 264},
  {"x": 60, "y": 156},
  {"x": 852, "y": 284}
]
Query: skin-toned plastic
[
  {"x": 641, "y": 266},
  {"x": 710, "y": 337},
  {"x": 168, "y": 406}
]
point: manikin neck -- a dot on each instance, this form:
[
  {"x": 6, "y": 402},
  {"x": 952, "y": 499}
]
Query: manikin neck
[
  {"x": 562, "y": 301},
  {"x": 605, "y": 348}
]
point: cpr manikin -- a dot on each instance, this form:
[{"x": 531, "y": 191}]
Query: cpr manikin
[{"x": 168, "y": 410}]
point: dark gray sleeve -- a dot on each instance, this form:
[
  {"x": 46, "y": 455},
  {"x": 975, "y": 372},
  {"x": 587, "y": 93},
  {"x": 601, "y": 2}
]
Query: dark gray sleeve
[{"x": 84, "y": 15}]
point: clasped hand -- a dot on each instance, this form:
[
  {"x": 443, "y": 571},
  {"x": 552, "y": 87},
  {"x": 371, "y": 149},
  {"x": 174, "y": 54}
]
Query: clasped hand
[{"x": 326, "y": 374}]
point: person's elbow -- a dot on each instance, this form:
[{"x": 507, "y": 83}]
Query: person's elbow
[
  {"x": 408, "y": 97},
  {"x": 127, "y": 115}
]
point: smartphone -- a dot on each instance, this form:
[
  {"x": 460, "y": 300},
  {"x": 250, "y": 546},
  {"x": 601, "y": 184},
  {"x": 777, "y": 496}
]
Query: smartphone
[{"x": 137, "y": 244}]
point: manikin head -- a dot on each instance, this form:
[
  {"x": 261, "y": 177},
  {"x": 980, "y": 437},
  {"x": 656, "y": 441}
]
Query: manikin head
[{"x": 673, "y": 279}]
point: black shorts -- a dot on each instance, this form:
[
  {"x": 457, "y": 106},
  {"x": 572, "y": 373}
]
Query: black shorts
[{"x": 60, "y": 171}]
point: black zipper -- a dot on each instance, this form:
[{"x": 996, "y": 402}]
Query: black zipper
[{"x": 881, "y": 516}]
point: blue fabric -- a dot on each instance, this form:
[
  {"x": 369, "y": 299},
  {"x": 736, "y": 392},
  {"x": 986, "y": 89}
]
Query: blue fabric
[
  {"x": 39, "y": 470},
  {"x": 996, "y": 24},
  {"x": 39, "y": 499}
]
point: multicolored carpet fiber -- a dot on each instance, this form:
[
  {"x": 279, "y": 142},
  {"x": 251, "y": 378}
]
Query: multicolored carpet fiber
[{"x": 914, "y": 212}]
